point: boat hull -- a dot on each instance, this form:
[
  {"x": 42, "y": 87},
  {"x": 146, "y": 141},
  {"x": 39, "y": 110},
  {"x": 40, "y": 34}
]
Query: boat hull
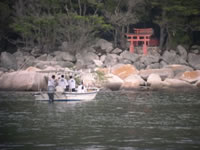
[{"x": 67, "y": 96}]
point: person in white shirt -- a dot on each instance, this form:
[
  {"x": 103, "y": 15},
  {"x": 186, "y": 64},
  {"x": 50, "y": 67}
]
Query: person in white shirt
[
  {"x": 62, "y": 82},
  {"x": 72, "y": 84},
  {"x": 81, "y": 88},
  {"x": 51, "y": 88}
]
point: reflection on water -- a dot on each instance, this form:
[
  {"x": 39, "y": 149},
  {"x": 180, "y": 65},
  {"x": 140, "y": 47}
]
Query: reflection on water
[{"x": 114, "y": 120}]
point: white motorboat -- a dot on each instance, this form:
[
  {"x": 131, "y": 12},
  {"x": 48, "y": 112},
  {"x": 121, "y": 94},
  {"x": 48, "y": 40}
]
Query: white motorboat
[{"x": 90, "y": 94}]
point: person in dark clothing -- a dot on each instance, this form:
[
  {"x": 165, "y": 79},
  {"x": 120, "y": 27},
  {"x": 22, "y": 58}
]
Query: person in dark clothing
[{"x": 51, "y": 88}]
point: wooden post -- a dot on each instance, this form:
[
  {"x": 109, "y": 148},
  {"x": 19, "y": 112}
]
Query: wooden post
[
  {"x": 131, "y": 49},
  {"x": 145, "y": 46}
]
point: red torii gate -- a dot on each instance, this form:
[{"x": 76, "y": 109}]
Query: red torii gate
[{"x": 142, "y": 35}]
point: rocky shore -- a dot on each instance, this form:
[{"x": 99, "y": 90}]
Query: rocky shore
[{"x": 103, "y": 66}]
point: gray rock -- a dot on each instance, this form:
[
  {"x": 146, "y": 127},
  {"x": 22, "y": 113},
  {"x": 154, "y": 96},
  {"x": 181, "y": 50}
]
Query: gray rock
[
  {"x": 8, "y": 61},
  {"x": 116, "y": 51},
  {"x": 170, "y": 57},
  {"x": 149, "y": 59},
  {"x": 23, "y": 81},
  {"x": 182, "y": 52},
  {"x": 102, "y": 58},
  {"x": 125, "y": 61},
  {"x": 44, "y": 64},
  {"x": 111, "y": 60},
  {"x": 153, "y": 66},
  {"x": 178, "y": 84},
  {"x": 98, "y": 63},
  {"x": 104, "y": 45},
  {"x": 163, "y": 64},
  {"x": 139, "y": 65},
  {"x": 28, "y": 61},
  {"x": 113, "y": 82},
  {"x": 179, "y": 69},
  {"x": 18, "y": 53},
  {"x": 194, "y": 60},
  {"x": 155, "y": 81},
  {"x": 64, "y": 46},
  {"x": 130, "y": 56},
  {"x": 64, "y": 56},
  {"x": 65, "y": 64},
  {"x": 194, "y": 47},
  {"x": 36, "y": 52},
  {"x": 43, "y": 57}
]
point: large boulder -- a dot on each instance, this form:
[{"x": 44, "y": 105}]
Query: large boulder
[
  {"x": 182, "y": 52},
  {"x": 26, "y": 61},
  {"x": 113, "y": 82},
  {"x": 18, "y": 53},
  {"x": 191, "y": 76},
  {"x": 179, "y": 69},
  {"x": 111, "y": 60},
  {"x": 153, "y": 66},
  {"x": 8, "y": 61},
  {"x": 198, "y": 83},
  {"x": 133, "y": 81},
  {"x": 65, "y": 46},
  {"x": 44, "y": 64},
  {"x": 194, "y": 60},
  {"x": 130, "y": 56},
  {"x": 195, "y": 49},
  {"x": 139, "y": 65},
  {"x": 149, "y": 59},
  {"x": 43, "y": 57},
  {"x": 123, "y": 71},
  {"x": 163, "y": 73},
  {"x": 1, "y": 73},
  {"x": 64, "y": 56},
  {"x": 116, "y": 51},
  {"x": 87, "y": 57},
  {"x": 104, "y": 45},
  {"x": 23, "y": 81},
  {"x": 36, "y": 52},
  {"x": 98, "y": 63},
  {"x": 177, "y": 84},
  {"x": 155, "y": 81},
  {"x": 32, "y": 69},
  {"x": 170, "y": 57}
]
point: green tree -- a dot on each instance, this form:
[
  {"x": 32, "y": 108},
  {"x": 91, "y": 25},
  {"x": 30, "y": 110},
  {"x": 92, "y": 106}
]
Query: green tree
[
  {"x": 177, "y": 19},
  {"x": 121, "y": 14},
  {"x": 5, "y": 20},
  {"x": 47, "y": 23}
]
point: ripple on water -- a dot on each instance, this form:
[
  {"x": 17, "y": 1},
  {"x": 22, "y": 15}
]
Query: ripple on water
[{"x": 115, "y": 120}]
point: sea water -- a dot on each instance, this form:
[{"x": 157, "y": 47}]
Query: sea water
[{"x": 123, "y": 120}]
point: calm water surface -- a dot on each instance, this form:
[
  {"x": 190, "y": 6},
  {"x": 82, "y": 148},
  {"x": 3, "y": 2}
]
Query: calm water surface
[{"x": 114, "y": 120}]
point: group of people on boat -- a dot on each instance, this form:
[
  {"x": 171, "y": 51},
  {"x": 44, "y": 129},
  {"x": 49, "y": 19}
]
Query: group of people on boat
[{"x": 62, "y": 85}]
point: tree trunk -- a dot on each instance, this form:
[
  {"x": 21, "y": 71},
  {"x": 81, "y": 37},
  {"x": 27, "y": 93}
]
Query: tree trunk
[
  {"x": 80, "y": 9},
  {"x": 115, "y": 37},
  {"x": 122, "y": 38},
  {"x": 163, "y": 37}
]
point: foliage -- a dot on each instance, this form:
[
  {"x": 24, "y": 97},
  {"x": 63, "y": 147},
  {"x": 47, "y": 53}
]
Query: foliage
[
  {"x": 120, "y": 14},
  {"x": 47, "y": 23},
  {"x": 178, "y": 17},
  {"x": 5, "y": 12},
  {"x": 100, "y": 76}
]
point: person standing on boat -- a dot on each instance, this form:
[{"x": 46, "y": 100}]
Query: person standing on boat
[
  {"x": 62, "y": 82},
  {"x": 51, "y": 88},
  {"x": 72, "y": 84}
]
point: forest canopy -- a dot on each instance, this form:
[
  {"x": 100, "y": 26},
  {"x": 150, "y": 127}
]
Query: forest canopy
[{"x": 48, "y": 23}]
